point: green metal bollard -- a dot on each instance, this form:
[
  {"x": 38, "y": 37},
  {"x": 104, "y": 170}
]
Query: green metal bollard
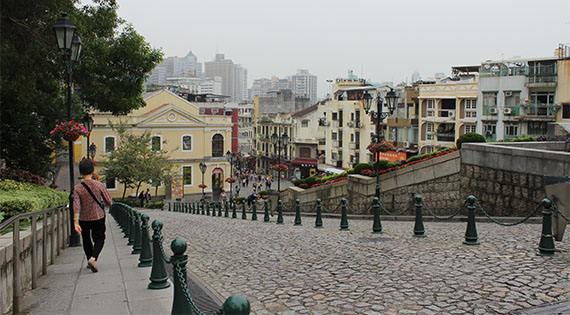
[
  {"x": 137, "y": 244},
  {"x": 243, "y": 215},
  {"x": 169, "y": 209},
  {"x": 236, "y": 305},
  {"x": 202, "y": 206},
  {"x": 179, "y": 304},
  {"x": 219, "y": 209},
  {"x": 208, "y": 210},
  {"x": 226, "y": 213},
  {"x": 158, "y": 275},
  {"x": 145, "y": 258},
  {"x": 298, "y": 213},
  {"x": 279, "y": 211},
  {"x": 419, "y": 230},
  {"x": 234, "y": 214},
  {"x": 377, "y": 224},
  {"x": 319, "y": 220},
  {"x": 471, "y": 237},
  {"x": 546, "y": 245},
  {"x": 343, "y": 216},
  {"x": 266, "y": 211},
  {"x": 127, "y": 222},
  {"x": 132, "y": 229},
  {"x": 254, "y": 212},
  {"x": 214, "y": 206}
]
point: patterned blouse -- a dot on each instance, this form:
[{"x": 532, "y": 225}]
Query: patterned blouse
[{"x": 85, "y": 205}]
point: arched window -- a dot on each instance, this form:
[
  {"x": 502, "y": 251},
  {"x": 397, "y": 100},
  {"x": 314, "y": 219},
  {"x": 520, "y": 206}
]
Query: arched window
[
  {"x": 217, "y": 145},
  {"x": 186, "y": 143}
]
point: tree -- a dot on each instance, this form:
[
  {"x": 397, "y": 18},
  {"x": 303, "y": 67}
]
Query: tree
[
  {"x": 133, "y": 162},
  {"x": 114, "y": 63}
]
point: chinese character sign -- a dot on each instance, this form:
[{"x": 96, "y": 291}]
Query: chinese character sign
[{"x": 392, "y": 156}]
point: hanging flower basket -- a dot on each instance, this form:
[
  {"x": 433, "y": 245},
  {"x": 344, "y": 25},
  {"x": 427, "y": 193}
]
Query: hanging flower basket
[
  {"x": 230, "y": 180},
  {"x": 69, "y": 130},
  {"x": 202, "y": 186},
  {"x": 281, "y": 167},
  {"x": 381, "y": 147}
]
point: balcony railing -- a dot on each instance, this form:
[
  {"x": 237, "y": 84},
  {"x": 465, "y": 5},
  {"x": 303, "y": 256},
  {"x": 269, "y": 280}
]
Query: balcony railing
[
  {"x": 539, "y": 110},
  {"x": 445, "y": 136}
]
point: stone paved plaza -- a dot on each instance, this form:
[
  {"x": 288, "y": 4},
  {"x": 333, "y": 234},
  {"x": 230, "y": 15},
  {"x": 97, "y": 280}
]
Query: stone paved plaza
[{"x": 284, "y": 269}]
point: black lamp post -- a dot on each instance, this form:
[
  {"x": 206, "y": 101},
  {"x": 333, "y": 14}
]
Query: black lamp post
[
  {"x": 88, "y": 123},
  {"x": 230, "y": 156},
  {"x": 379, "y": 115},
  {"x": 70, "y": 44},
  {"x": 277, "y": 141},
  {"x": 203, "y": 170}
]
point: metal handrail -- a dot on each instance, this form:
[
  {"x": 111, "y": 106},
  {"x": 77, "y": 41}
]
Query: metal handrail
[{"x": 62, "y": 230}]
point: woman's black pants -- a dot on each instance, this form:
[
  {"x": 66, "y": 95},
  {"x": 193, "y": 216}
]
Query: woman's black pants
[{"x": 93, "y": 235}]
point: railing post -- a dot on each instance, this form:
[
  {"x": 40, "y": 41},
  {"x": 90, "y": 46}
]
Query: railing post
[
  {"x": 226, "y": 213},
  {"x": 52, "y": 238},
  {"x": 546, "y": 245},
  {"x": 179, "y": 304},
  {"x": 145, "y": 258},
  {"x": 319, "y": 219},
  {"x": 236, "y": 305},
  {"x": 233, "y": 204},
  {"x": 243, "y": 215},
  {"x": 34, "y": 252},
  {"x": 419, "y": 230},
  {"x": 343, "y": 216},
  {"x": 158, "y": 275},
  {"x": 203, "y": 206},
  {"x": 169, "y": 204},
  {"x": 376, "y": 224},
  {"x": 254, "y": 211},
  {"x": 58, "y": 229},
  {"x": 266, "y": 211},
  {"x": 214, "y": 206},
  {"x": 127, "y": 221},
  {"x": 137, "y": 244},
  {"x": 471, "y": 237},
  {"x": 44, "y": 244},
  {"x": 16, "y": 268},
  {"x": 280, "y": 211},
  {"x": 298, "y": 213}
]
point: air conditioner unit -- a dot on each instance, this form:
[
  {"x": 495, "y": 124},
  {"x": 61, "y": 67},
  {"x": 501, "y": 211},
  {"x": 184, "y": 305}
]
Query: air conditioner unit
[
  {"x": 508, "y": 93},
  {"x": 508, "y": 111},
  {"x": 358, "y": 124},
  {"x": 406, "y": 144},
  {"x": 493, "y": 110},
  {"x": 350, "y": 124}
]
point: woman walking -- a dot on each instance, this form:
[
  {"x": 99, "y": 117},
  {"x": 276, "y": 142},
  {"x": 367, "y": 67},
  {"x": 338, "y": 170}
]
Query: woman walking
[{"x": 89, "y": 212}]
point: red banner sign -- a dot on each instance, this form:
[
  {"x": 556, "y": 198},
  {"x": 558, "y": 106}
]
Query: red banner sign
[{"x": 392, "y": 156}]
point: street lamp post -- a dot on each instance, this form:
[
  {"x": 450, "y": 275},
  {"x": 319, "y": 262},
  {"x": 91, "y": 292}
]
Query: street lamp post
[
  {"x": 379, "y": 115},
  {"x": 277, "y": 141},
  {"x": 230, "y": 157},
  {"x": 88, "y": 123},
  {"x": 203, "y": 170},
  {"x": 70, "y": 44}
]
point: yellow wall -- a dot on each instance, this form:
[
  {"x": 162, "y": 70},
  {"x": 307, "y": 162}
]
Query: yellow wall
[{"x": 563, "y": 86}]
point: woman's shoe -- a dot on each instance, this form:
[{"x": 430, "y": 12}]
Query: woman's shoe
[{"x": 91, "y": 264}]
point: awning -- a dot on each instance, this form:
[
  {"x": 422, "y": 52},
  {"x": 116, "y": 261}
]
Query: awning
[
  {"x": 305, "y": 162},
  {"x": 330, "y": 169},
  {"x": 565, "y": 126}
]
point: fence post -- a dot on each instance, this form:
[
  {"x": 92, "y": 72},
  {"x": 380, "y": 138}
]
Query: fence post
[
  {"x": 419, "y": 230},
  {"x": 280, "y": 211},
  {"x": 214, "y": 207},
  {"x": 319, "y": 219},
  {"x": 243, "y": 215},
  {"x": 233, "y": 205},
  {"x": 471, "y": 237},
  {"x": 158, "y": 275},
  {"x": 343, "y": 216},
  {"x": 298, "y": 213},
  {"x": 266, "y": 211},
  {"x": 254, "y": 211},
  {"x": 137, "y": 244},
  {"x": 219, "y": 206},
  {"x": 546, "y": 245},
  {"x": 208, "y": 209},
  {"x": 16, "y": 284},
  {"x": 202, "y": 206},
  {"x": 179, "y": 261},
  {"x": 376, "y": 224},
  {"x": 226, "y": 214},
  {"x": 145, "y": 258},
  {"x": 169, "y": 209}
]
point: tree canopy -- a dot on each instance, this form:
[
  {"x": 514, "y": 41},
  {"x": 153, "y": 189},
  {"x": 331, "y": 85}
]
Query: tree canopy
[{"x": 114, "y": 63}]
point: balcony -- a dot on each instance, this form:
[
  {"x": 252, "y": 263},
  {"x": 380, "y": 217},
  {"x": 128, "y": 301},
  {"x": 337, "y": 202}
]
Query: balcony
[
  {"x": 490, "y": 110},
  {"x": 538, "y": 111},
  {"x": 450, "y": 137}
]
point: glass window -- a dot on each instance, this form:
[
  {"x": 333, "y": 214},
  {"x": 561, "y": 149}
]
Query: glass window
[
  {"x": 542, "y": 97},
  {"x": 429, "y": 127},
  {"x": 333, "y": 136},
  {"x": 430, "y": 105},
  {"x": 156, "y": 143},
  {"x": 489, "y": 98},
  {"x": 305, "y": 123},
  {"x": 566, "y": 111},
  {"x": 489, "y": 129},
  {"x": 512, "y": 98},
  {"x": 470, "y": 128},
  {"x": 470, "y": 104},
  {"x": 334, "y": 116},
  {"x": 111, "y": 183},
  {"x": 186, "y": 143},
  {"x": 187, "y": 175},
  {"x": 217, "y": 145},
  {"x": 511, "y": 130},
  {"x": 109, "y": 144}
]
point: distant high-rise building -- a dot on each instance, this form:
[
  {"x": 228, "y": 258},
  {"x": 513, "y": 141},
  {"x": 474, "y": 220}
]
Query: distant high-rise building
[
  {"x": 260, "y": 87},
  {"x": 305, "y": 84},
  {"x": 416, "y": 77},
  {"x": 176, "y": 67},
  {"x": 234, "y": 77}
]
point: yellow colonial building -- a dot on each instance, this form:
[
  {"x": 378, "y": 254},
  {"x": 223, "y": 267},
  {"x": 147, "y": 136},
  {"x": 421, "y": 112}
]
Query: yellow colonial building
[{"x": 176, "y": 126}]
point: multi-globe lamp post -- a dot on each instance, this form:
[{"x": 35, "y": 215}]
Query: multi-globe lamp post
[
  {"x": 277, "y": 142},
  {"x": 70, "y": 44},
  {"x": 230, "y": 156},
  {"x": 379, "y": 116}
]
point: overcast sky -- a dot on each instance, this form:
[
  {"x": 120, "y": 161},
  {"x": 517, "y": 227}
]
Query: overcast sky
[{"x": 380, "y": 40}]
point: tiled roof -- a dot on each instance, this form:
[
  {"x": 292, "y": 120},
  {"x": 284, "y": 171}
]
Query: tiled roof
[{"x": 305, "y": 111}]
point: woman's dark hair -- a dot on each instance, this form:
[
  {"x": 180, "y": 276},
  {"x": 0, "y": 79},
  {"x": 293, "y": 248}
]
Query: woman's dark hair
[{"x": 86, "y": 167}]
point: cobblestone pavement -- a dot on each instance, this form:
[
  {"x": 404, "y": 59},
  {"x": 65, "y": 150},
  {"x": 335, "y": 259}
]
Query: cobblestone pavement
[{"x": 284, "y": 269}]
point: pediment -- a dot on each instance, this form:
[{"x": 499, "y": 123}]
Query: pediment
[{"x": 170, "y": 115}]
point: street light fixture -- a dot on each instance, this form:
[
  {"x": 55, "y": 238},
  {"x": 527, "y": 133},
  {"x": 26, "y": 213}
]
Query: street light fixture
[
  {"x": 88, "y": 123},
  {"x": 230, "y": 156},
  {"x": 202, "y": 167},
  {"x": 379, "y": 115},
  {"x": 70, "y": 44},
  {"x": 278, "y": 141}
]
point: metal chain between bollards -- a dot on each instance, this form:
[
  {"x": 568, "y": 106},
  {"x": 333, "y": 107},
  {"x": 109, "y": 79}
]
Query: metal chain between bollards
[
  {"x": 412, "y": 204},
  {"x": 560, "y": 212},
  {"x": 162, "y": 249},
  {"x": 328, "y": 210},
  {"x": 444, "y": 218},
  {"x": 507, "y": 224},
  {"x": 186, "y": 290}
]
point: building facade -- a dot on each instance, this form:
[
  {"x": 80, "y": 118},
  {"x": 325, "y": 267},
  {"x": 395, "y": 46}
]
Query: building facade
[
  {"x": 233, "y": 76},
  {"x": 305, "y": 85}
]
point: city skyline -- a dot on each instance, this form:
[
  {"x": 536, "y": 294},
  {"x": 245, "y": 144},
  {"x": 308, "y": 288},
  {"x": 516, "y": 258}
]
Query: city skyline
[{"x": 378, "y": 41}]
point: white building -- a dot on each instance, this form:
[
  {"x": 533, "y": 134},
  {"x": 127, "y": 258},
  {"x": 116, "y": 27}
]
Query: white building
[
  {"x": 260, "y": 87},
  {"x": 234, "y": 77},
  {"x": 305, "y": 84}
]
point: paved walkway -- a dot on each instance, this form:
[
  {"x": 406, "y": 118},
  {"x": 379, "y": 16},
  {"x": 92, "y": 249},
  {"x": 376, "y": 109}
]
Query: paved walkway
[
  {"x": 283, "y": 269},
  {"x": 120, "y": 287}
]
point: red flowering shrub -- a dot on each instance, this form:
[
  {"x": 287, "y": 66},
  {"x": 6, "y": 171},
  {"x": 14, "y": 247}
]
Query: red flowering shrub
[
  {"x": 69, "y": 130},
  {"x": 381, "y": 147},
  {"x": 230, "y": 180},
  {"x": 281, "y": 167},
  {"x": 304, "y": 186}
]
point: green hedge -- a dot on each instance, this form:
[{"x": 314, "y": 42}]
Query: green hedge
[
  {"x": 17, "y": 198},
  {"x": 469, "y": 137},
  {"x": 520, "y": 139}
]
